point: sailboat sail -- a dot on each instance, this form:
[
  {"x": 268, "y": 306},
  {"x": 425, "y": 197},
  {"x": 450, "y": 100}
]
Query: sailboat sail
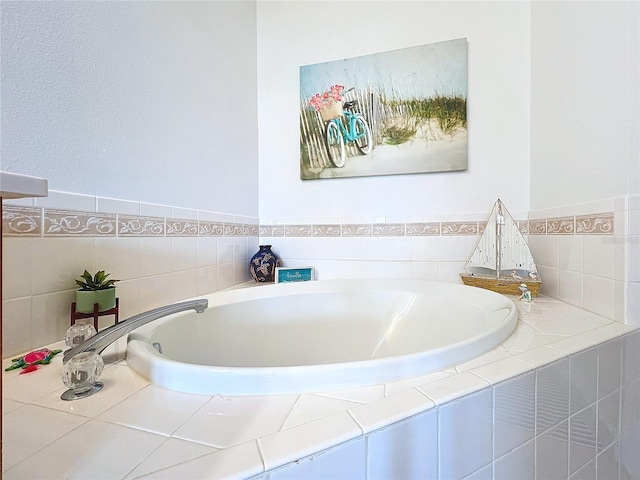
[
  {"x": 515, "y": 252},
  {"x": 484, "y": 255},
  {"x": 502, "y": 248}
]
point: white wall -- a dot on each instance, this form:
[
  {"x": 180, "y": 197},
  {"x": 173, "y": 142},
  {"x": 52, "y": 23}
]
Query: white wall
[
  {"x": 585, "y": 146},
  {"x": 127, "y": 105},
  {"x": 144, "y": 101},
  {"x": 585, "y": 101},
  {"x": 291, "y": 34}
]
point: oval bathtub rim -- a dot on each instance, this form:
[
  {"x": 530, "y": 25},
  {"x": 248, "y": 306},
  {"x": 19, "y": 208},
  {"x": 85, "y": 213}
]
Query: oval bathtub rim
[{"x": 334, "y": 376}]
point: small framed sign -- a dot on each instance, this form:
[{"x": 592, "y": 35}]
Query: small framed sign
[{"x": 299, "y": 274}]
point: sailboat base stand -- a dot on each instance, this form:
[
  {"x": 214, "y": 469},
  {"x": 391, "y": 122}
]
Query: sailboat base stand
[{"x": 506, "y": 285}]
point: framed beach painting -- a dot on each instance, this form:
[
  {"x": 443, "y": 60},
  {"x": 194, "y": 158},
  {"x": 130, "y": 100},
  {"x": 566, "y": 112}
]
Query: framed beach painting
[{"x": 397, "y": 112}]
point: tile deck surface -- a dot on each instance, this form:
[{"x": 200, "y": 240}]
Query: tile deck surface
[{"x": 158, "y": 433}]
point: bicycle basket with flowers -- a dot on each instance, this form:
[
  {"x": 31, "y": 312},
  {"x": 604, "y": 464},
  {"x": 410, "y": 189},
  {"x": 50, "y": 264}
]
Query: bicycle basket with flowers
[{"x": 329, "y": 103}]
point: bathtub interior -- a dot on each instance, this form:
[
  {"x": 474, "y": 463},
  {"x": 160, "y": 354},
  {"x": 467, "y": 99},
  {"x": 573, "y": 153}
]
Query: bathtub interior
[
  {"x": 323, "y": 328},
  {"x": 328, "y": 335}
]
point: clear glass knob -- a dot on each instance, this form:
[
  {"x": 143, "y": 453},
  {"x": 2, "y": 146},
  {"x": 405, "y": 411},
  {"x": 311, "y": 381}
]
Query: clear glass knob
[
  {"x": 78, "y": 333},
  {"x": 80, "y": 375}
]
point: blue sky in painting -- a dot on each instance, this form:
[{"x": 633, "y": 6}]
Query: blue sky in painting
[{"x": 416, "y": 72}]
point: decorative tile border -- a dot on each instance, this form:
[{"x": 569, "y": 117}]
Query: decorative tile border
[
  {"x": 131, "y": 226},
  {"x": 523, "y": 226},
  {"x": 233, "y": 230},
  {"x": 327, "y": 230},
  {"x": 211, "y": 229},
  {"x": 21, "y": 221},
  {"x": 423, "y": 229},
  {"x": 35, "y": 222},
  {"x": 595, "y": 224},
  {"x": 182, "y": 228},
  {"x": 459, "y": 228},
  {"x": 272, "y": 230},
  {"x": 561, "y": 226},
  {"x": 357, "y": 230},
  {"x": 297, "y": 230},
  {"x": 87, "y": 224},
  {"x": 39, "y": 222},
  {"x": 389, "y": 230},
  {"x": 251, "y": 230},
  {"x": 537, "y": 227}
]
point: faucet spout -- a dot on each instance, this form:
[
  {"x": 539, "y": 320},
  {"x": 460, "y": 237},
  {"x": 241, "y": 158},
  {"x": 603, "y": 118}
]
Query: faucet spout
[{"x": 106, "y": 337}]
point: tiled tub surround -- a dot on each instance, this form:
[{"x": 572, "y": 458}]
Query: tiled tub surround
[
  {"x": 587, "y": 254},
  {"x": 601, "y": 272},
  {"x": 559, "y": 399},
  {"x": 435, "y": 250},
  {"x": 160, "y": 254}
]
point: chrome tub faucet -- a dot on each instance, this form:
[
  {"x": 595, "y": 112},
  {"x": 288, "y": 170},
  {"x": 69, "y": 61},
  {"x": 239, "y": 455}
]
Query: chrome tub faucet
[{"x": 106, "y": 337}]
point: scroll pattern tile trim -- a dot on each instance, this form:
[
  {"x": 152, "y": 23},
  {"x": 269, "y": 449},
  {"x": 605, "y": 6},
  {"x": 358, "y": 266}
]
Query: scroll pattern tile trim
[
  {"x": 35, "y": 222},
  {"x": 21, "y": 221},
  {"x": 64, "y": 223}
]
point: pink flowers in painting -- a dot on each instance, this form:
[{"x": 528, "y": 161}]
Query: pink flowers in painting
[{"x": 327, "y": 98}]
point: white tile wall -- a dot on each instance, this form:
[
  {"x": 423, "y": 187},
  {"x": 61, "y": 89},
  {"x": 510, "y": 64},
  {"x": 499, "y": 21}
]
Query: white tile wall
[
  {"x": 630, "y": 408},
  {"x": 39, "y": 272},
  {"x": 570, "y": 287},
  {"x": 608, "y": 420},
  {"x": 518, "y": 463},
  {"x": 599, "y": 294},
  {"x": 584, "y": 379},
  {"x": 552, "y": 395},
  {"x": 630, "y": 359},
  {"x": 630, "y": 468},
  {"x": 17, "y": 335},
  {"x": 490, "y": 434},
  {"x": 514, "y": 422},
  {"x": 607, "y": 463},
  {"x": 599, "y": 273},
  {"x": 465, "y": 425},
  {"x": 67, "y": 201},
  {"x": 407, "y": 449},
  {"x": 633, "y": 260},
  {"x": 552, "y": 452},
  {"x": 582, "y": 438},
  {"x": 571, "y": 253},
  {"x": 330, "y": 464},
  {"x": 609, "y": 367}
]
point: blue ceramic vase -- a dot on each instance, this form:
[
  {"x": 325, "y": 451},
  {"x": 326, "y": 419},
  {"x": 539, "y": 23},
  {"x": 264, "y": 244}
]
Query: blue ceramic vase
[{"x": 263, "y": 265}]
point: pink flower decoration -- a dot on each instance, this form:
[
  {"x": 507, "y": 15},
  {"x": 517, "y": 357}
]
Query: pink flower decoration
[{"x": 328, "y": 98}]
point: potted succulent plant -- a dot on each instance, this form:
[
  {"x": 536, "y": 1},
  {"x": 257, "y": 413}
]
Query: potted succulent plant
[{"x": 95, "y": 289}]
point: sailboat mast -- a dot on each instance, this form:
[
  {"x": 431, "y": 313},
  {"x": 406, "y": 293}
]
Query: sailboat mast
[{"x": 499, "y": 225}]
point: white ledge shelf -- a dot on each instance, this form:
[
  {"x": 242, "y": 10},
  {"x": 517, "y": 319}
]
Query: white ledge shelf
[{"x": 15, "y": 185}]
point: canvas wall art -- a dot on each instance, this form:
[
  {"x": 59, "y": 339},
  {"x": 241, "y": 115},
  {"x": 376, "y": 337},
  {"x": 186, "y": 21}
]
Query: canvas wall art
[{"x": 397, "y": 112}]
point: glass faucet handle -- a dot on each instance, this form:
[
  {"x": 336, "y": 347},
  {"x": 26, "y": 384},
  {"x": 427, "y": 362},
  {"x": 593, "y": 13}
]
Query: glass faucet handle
[
  {"x": 80, "y": 375},
  {"x": 78, "y": 333}
]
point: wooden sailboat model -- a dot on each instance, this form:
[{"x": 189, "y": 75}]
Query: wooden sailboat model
[{"x": 502, "y": 260}]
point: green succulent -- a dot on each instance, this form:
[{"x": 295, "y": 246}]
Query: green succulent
[{"x": 97, "y": 282}]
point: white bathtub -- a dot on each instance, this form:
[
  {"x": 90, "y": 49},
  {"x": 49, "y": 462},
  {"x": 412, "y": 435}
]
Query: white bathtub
[{"x": 320, "y": 336}]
